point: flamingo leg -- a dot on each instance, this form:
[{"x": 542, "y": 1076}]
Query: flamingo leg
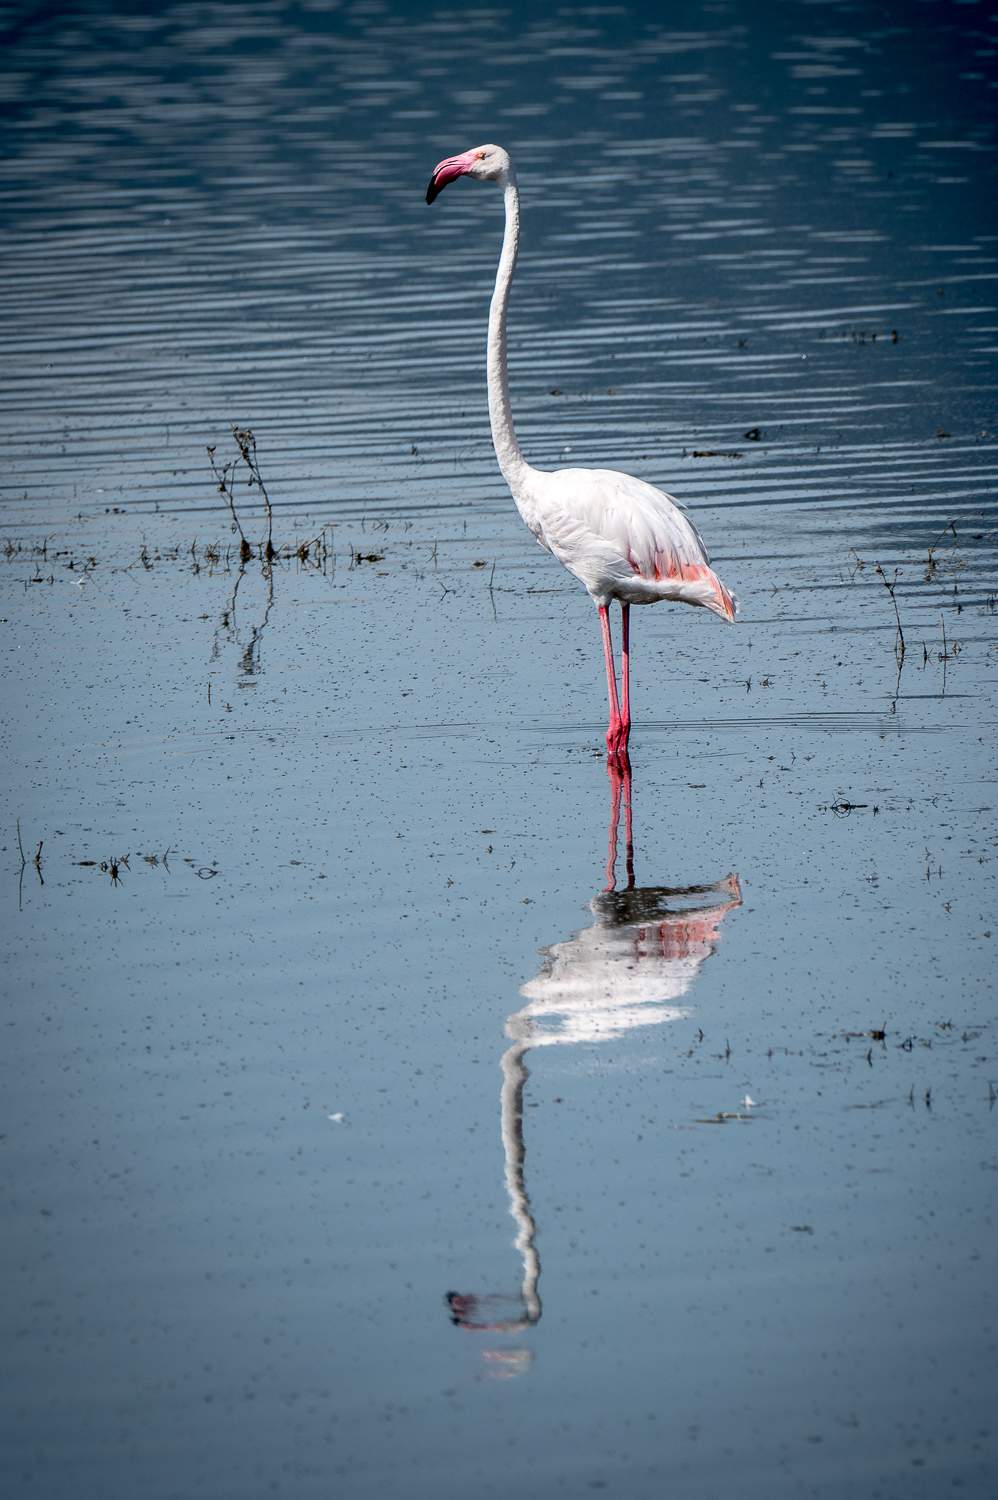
[
  {"x": 613, "y": 733},
  {"x": 628, "y": 829},
  {"x": 616, "y": 785},
  {"x": 625, "y": 675}
]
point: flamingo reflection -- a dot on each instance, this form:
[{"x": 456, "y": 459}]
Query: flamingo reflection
[{"x": 630, "y": 968}]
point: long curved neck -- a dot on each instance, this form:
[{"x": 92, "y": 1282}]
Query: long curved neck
[{"x": 511, "y": 461}]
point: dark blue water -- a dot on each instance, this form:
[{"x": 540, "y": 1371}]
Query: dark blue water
[{"x": 356, "y": 1141}]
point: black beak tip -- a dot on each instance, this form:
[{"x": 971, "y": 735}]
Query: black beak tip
[{"x": 433, "y": 191}]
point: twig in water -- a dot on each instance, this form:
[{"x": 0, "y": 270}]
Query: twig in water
[
  {"x": 930, "y": 560},
  {"x": 246, "y": 443},
  {"x": 945, "y": 651},
  {"x": 37, "y": 862},
  {"x": 491, "y": 595},
  {"x": 20, "y": 878},
  {"x": 226, "y": 478},
  {"x": 899, "y": 638}
]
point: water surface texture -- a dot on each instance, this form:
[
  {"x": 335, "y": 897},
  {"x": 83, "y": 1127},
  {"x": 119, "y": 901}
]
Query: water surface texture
[{"x": 393, "y": 1104}]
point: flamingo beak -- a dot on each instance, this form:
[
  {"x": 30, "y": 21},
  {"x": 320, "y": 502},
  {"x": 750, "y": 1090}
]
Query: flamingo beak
[{"x": 447, "y": 171}]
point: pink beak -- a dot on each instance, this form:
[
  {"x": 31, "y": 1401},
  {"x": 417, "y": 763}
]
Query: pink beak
[{"x": 447, "y": 171}]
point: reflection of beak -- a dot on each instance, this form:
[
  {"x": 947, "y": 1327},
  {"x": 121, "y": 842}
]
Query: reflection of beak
[
  {"x": 497, "y": 1313},
  {"x": 448, "y": 171}
]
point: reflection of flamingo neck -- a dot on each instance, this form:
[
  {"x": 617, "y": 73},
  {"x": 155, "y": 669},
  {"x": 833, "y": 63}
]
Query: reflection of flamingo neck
[
  {"x": 515, "y": 1076},
  {"x": 620, "y": 786}
]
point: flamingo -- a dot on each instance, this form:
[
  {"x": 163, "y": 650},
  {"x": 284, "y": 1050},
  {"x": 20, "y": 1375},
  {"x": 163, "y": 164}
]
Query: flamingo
[{"x": 620, "y": 537}]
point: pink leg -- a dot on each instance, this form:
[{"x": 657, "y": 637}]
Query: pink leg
[
  {"x": 613, "y": 733},
  {"x": 625, "y": 674},
  {"x": 611, "y": 853},
  {"x": 628, "y": 830}
]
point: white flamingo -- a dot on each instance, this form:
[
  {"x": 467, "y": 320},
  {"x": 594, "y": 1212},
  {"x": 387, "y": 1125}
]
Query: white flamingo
[{"x": 620, "y": 537}]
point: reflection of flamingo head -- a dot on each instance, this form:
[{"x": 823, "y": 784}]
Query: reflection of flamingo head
[{"x": 497, "y": 1313}]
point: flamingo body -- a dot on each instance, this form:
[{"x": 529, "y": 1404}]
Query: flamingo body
[
  {"x": 623, "y": 539},
  {"x": 619, "y": 536}
]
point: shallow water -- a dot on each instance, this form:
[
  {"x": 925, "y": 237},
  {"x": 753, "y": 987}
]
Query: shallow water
[{"x": 357, "y": 1141}]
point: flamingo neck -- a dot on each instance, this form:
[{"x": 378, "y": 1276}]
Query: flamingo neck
[{"x": 511, "y": 461}]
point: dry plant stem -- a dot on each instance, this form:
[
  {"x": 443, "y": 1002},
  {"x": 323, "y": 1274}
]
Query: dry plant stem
[
  {"x": 246, "y": 443},
  {"x": 37, "y": 862},
  {"x": 20, "y": 878},
  {"x": 890, "y": 587},
  {"x": 948, "y": 527},
  {"x": 225, "y": 477}
]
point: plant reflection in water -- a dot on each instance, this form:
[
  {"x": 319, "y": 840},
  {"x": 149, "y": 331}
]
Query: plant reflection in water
[
  {"x": 630, "y": 968},
  {"x": 229, "y": 629}
]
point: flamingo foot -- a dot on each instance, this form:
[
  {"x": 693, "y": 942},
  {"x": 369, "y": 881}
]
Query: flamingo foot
[
  {"x": 617, "y": 736},
  {"x": 617, "y": 759}
]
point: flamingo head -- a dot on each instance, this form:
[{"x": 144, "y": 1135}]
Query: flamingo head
[{"x": 486, "y": 163}]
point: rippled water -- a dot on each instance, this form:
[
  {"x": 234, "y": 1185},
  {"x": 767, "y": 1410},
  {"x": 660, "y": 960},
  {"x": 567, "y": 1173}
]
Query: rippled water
[{"x": 357, "y": 1140}]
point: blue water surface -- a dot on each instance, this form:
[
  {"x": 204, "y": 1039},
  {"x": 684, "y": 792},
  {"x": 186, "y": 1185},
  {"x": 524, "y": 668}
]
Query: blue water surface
[{"x": 357, "y": 1141}]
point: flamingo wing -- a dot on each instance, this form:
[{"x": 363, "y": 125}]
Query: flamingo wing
[{"x": 625, "y": 539}]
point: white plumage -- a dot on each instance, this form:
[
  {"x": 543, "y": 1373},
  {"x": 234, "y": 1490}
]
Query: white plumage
[
  {"x": 620, "y": 973},
  {"x": 624, "y": 539},
  {"x": 621, "y": 537}
]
